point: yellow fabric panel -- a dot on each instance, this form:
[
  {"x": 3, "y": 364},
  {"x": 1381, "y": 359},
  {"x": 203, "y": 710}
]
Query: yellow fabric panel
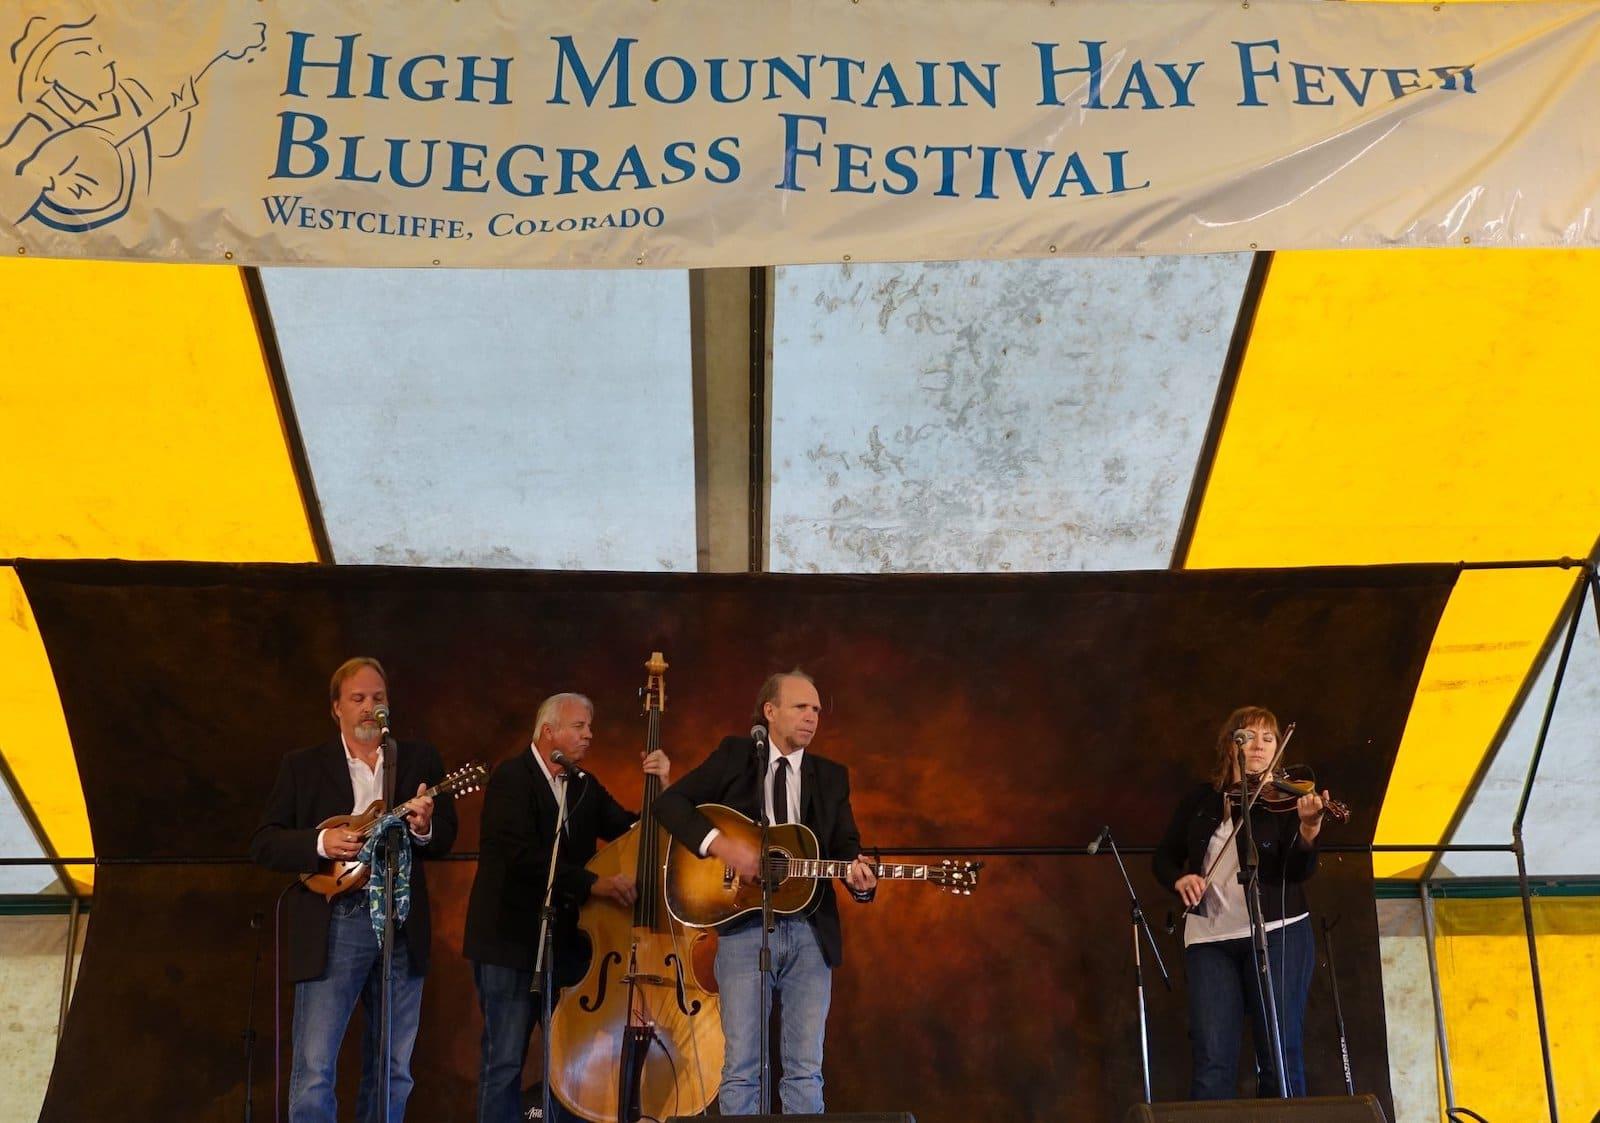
[
  {"x": 1487, "y": 640},
  {"x": 1411, "y": 405},
  {"x": 1420, "y": 405},
  {"x": 1487, "y": 987},
  {"x": 138, "y": 418},
  {"x": 33, "y": 732}
]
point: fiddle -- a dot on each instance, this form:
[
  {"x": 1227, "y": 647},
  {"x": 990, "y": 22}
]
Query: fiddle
[
  {"x": 1276, "y": 788},
  {"x": 1281, "y": 789}
]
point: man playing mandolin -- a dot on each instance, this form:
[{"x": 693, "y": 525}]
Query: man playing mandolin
[
  {"x": 502, "y": 932},
  {"x": 793, "y": 785},
  {"x": 334, "y": 954}
]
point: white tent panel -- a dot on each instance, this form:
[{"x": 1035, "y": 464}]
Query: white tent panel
[{"x": 991, "y": 416}]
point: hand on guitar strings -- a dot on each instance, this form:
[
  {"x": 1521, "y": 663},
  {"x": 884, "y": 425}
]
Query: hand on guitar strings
[
  {"x": 419, "y": 812},
  {"x": 618, "y": 888},
  {"x": 341, "y": 843},
  {"x": 739, "y": 856},
  {"x": 657, "y": 764},
  {"x": 861, "y": 878}
]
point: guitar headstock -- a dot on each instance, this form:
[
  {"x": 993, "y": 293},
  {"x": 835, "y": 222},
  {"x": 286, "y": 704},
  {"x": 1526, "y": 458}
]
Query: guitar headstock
[
  {"x": 655, "y": 684},
  {"x": 468, "y": 778},
  {"x": 960, "y": 878}
]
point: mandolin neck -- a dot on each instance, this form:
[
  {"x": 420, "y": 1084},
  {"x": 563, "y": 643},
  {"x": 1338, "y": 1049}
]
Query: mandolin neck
[{"x": 368, "y": 827}]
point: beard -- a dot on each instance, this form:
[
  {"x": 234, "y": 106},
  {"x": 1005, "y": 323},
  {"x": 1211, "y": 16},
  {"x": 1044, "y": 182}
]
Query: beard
[{"x": 367, "y": 732}]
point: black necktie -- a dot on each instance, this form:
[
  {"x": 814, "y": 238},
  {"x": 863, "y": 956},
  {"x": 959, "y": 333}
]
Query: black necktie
[{"x": 780, "y": 792}]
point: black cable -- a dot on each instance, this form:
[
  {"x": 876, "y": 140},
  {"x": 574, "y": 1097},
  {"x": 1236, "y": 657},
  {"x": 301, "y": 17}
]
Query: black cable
[
  {"x": 656, "y": 1041},
  {"x": 277, "y": 1004},
  {"x": 1283, "y": 956}
]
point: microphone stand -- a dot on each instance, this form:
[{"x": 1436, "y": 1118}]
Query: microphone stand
[
  {"x": 544, "y": 969},
  {"x": 1338, "y": 1009},
  {"x": 1249, "y": 876},
  {"x": 256, "y": 921},
  {"x": 768, "y": 925},
  {"x": 393, "y": 839},
  {"x": 1139, "y": 925}
]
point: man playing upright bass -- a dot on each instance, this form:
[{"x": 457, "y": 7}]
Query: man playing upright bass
[{"x": 502, "y": 933}]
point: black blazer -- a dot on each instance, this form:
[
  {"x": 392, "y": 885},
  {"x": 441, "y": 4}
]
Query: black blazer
[
  {"x": 519, "y": 824},
  {"x": 314, "y": 785},
  {"x": 1286, "y": 861},
  {"x": 732, "y": 776}
]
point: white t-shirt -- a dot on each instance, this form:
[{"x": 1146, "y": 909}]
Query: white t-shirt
[{"x": 1222, "y": 913}]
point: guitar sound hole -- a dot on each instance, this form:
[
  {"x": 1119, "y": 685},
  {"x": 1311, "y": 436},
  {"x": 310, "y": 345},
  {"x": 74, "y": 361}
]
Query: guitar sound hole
[{"x": 778, "y": 865}]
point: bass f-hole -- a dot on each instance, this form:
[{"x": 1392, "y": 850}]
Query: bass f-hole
[{"x": 589, "y": 1004}]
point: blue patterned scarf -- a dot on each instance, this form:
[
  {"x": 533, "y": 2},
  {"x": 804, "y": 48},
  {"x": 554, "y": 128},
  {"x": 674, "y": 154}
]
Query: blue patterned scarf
[{"x": 374, "y": 855}]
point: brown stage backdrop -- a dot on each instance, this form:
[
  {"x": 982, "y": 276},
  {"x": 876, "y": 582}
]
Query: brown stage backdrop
[{"x": 973, "y": 712}]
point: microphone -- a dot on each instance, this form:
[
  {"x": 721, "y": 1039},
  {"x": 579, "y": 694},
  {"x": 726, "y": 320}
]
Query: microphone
[
  {"x": 1243, "y": 737},
  {"x": 1099, "y": 840},
  {"x": 380, "y": 714},
  {"x": 758, "y": 734},
  {"x": 567, "y": 765}
]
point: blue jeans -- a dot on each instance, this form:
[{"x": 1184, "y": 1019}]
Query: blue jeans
[
  {"x": 509, "y": 1014},
  {"x": 508, "y": 1017},
  {"x": 322, "y": 1009},
  {"x": 1222, "y": 987},
  {"x": 806, "y": 982}
]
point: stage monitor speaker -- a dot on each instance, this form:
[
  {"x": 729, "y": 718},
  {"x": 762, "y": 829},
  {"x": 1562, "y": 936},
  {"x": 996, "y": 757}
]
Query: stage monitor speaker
[
  {"x": 1316, "y": 1109},
  {"x": 845, "y": 1117}
]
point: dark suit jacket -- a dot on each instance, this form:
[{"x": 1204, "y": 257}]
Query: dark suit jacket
[
  {"x": 314, "y": 785},
  {"x": 732, "y": 776},
  {"x": 519, "y": 825},
  {"x": 1286, "y": 862}
]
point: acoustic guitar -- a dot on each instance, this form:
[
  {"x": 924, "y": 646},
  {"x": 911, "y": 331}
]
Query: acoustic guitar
[
  {"x": 705, "y": 892},
  {"x": 334, "y": 878}
]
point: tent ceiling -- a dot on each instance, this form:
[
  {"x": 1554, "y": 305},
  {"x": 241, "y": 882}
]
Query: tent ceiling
[{"x": 1390, "y": 406}]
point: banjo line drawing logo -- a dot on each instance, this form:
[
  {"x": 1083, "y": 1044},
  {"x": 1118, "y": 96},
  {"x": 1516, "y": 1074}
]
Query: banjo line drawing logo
[{"x": 87, "y": 138}]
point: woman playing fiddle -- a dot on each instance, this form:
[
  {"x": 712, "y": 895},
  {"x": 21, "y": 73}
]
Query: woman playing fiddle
[{"x": 1199, "y": 860}]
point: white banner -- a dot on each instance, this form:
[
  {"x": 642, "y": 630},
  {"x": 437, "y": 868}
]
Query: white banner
[{"x": 695, "y": 133}]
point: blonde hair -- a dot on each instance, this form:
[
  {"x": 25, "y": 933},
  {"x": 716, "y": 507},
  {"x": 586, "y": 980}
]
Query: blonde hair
[{"x": 348, "y": 670}]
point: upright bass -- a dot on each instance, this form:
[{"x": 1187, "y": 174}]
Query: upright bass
[{"x": 641, "y": 1035}]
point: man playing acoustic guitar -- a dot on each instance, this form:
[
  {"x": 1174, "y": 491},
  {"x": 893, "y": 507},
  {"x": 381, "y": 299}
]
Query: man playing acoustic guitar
[{"x": 793, "y": 785}]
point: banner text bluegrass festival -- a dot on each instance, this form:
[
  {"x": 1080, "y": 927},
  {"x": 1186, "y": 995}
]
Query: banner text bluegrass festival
[{"x": 1086, "y": 77}]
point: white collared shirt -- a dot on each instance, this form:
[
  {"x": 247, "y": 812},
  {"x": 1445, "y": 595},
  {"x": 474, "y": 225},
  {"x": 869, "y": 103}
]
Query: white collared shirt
[
  {"x": 367, "y": 783},
  {"x": 557, "y": 782},
  {"x": 792, "y": 785}
]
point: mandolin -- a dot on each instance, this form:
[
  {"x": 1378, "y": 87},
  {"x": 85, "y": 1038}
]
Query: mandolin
[
  {"x": 334, "y": 878},
  {"x": 705, "y": 892}
]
